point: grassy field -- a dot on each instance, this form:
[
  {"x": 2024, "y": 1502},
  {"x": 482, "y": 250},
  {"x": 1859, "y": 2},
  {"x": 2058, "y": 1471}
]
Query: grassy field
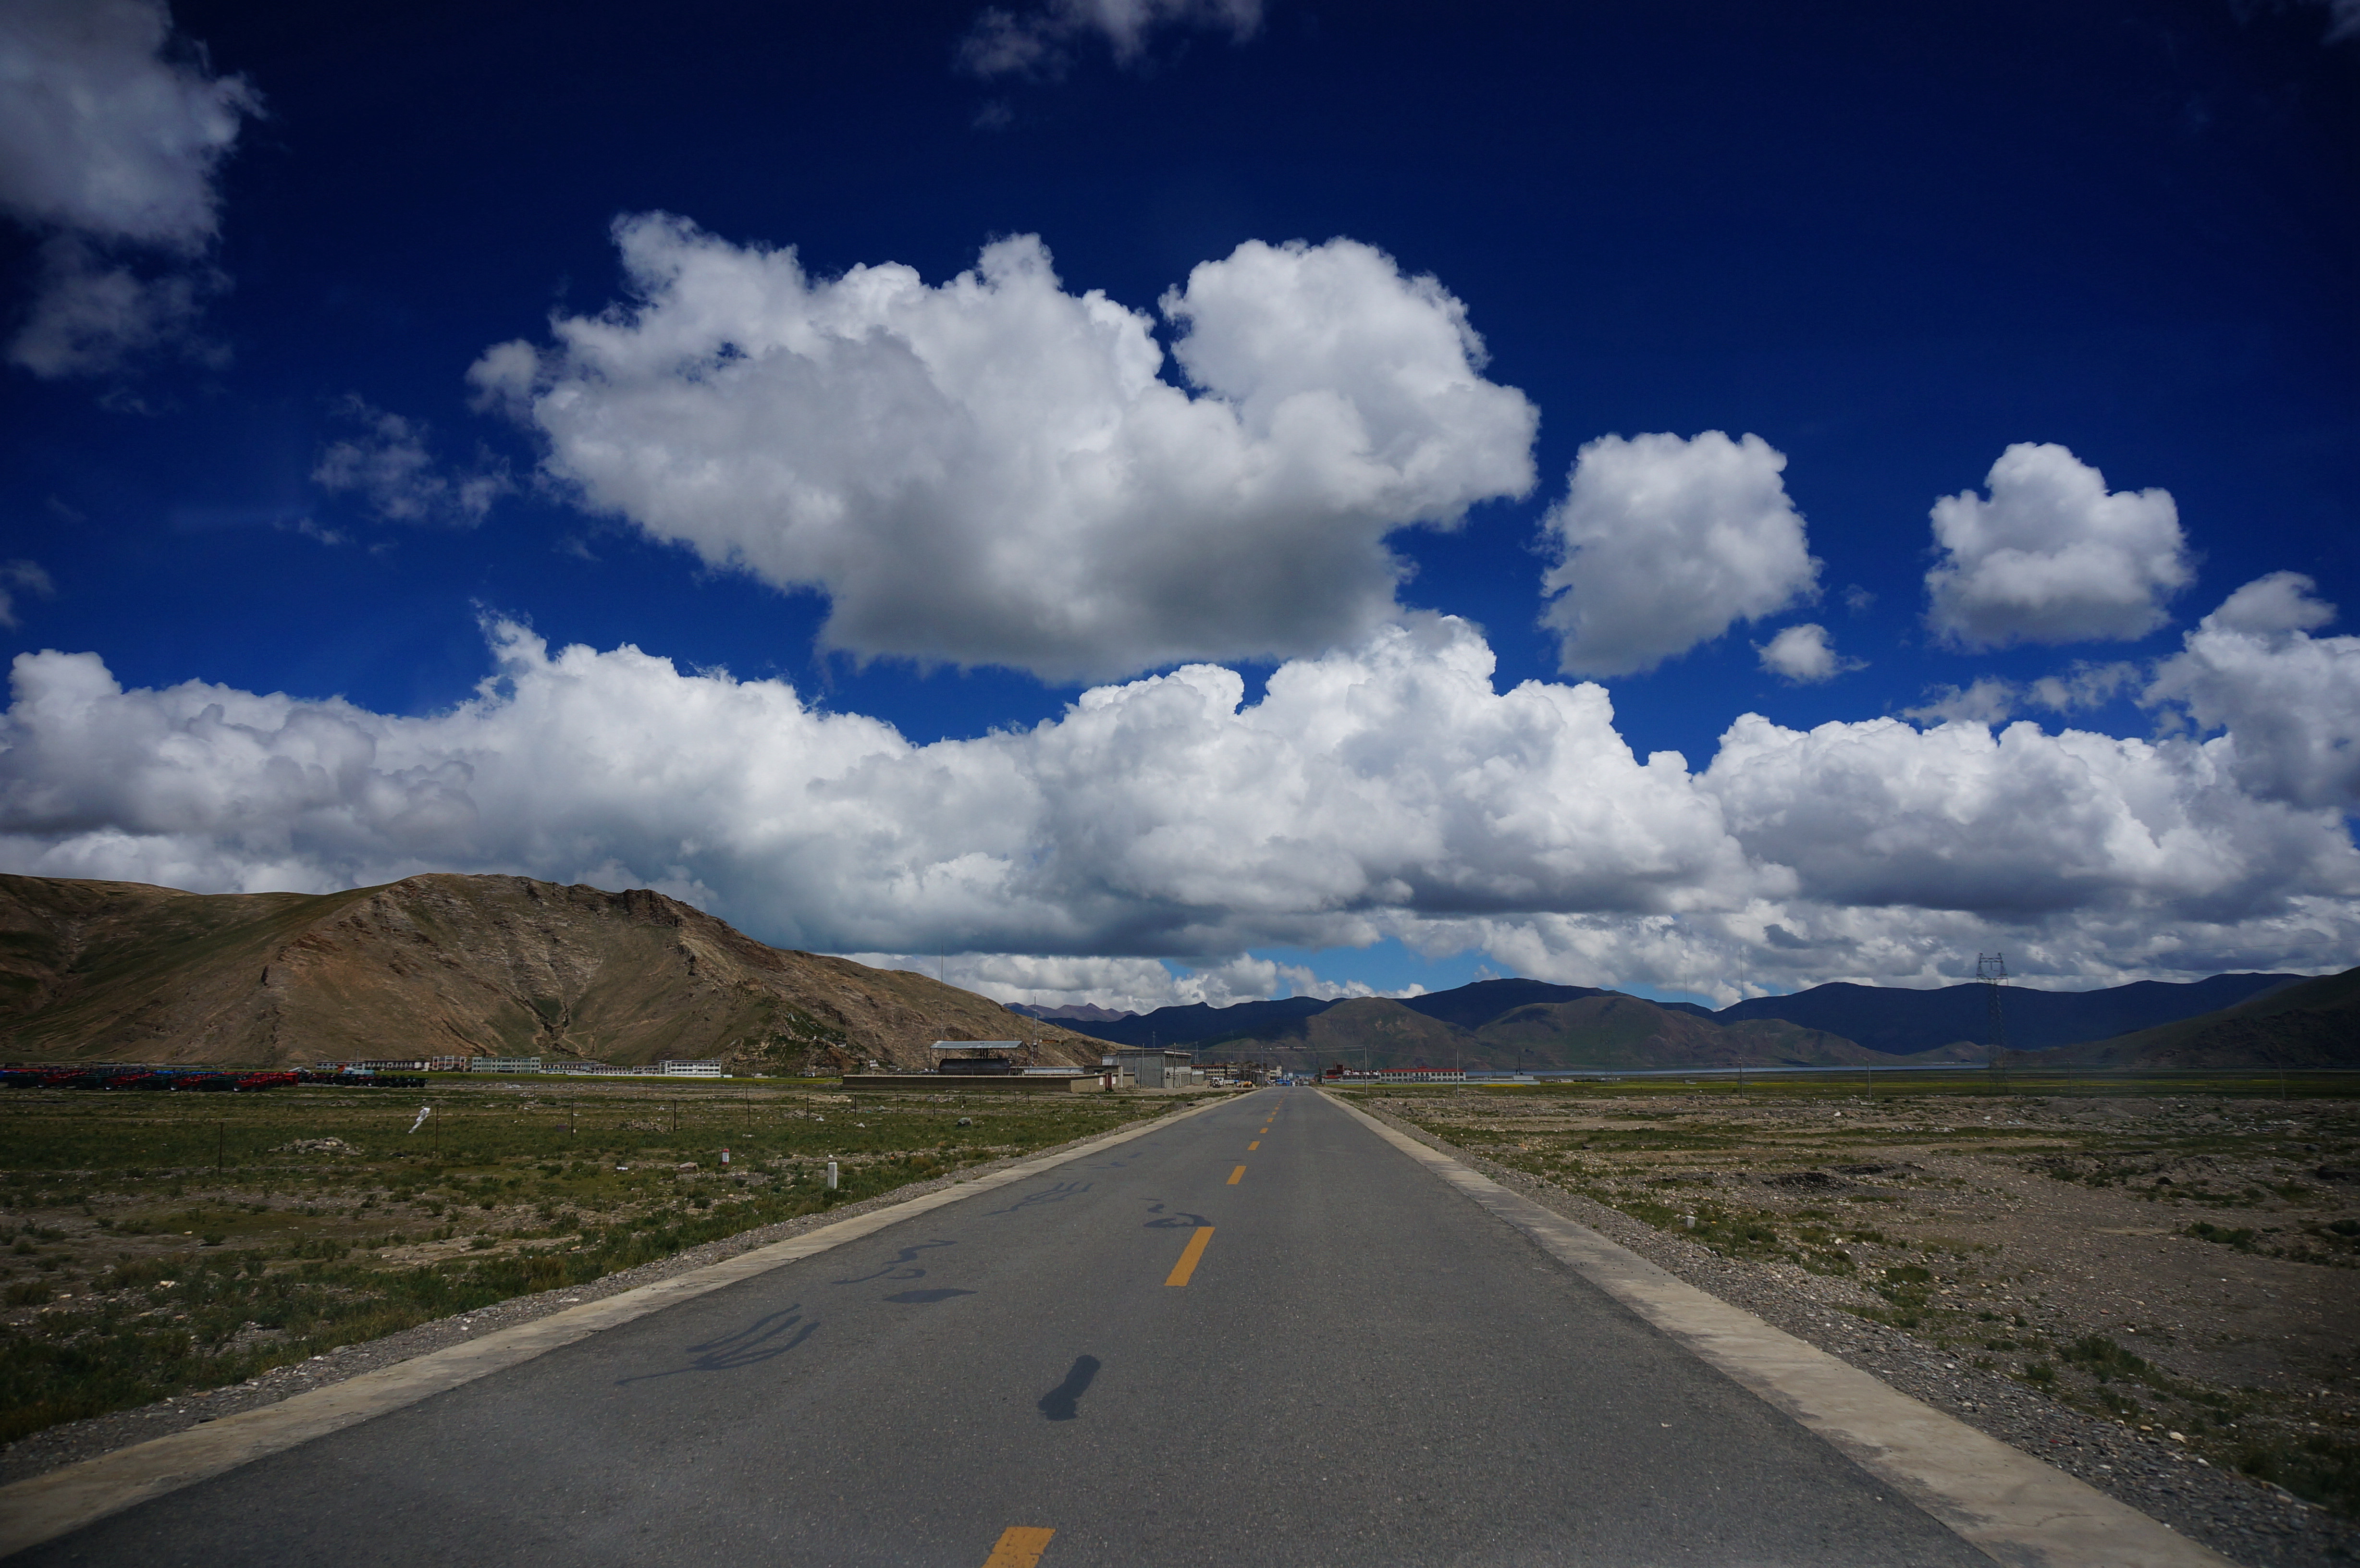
[
  {"x": 2176, "y": 1251},
  {"x": 1877, "y": 1084},
  {"x": 153, "y": 1244}
]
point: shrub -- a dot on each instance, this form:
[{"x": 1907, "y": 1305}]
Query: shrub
[
  {"x": 2102, "y": 1358},
  {"x": 2320, "y": 1468}
]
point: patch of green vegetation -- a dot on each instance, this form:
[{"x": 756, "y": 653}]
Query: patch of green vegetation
[
  {"x": 281, "y": 1247},
  {"x": 2103, "y": 1359},
  {"x": 2319, "y": 1467}
]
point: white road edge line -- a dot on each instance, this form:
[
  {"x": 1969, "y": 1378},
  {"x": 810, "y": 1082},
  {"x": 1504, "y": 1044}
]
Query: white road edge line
[
  {"x": 42, "y": 1507},
  {"x": 2006, "y": 1504}
]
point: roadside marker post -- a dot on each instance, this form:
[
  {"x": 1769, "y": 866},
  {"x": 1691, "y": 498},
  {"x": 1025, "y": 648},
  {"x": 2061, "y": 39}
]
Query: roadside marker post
[{"x": 831, "y": 1175}]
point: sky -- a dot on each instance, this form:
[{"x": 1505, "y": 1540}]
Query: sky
[{"x": 1157, "y": 501}]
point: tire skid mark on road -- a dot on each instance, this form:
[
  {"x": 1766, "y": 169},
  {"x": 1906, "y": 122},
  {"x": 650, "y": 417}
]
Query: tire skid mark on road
[{"x": 42, "y": 1507}]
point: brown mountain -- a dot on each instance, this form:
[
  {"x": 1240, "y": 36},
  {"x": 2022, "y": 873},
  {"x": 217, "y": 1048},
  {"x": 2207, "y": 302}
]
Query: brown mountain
[
  {"x": 1615, "y": 1030},
  {"x": 2311, "y": 1023},
  {"x": 453, "y": 966}
]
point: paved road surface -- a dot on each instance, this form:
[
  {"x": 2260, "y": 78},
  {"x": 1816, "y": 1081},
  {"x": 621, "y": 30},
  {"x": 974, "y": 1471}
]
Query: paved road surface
[{"x": 1359, "y": 1367}]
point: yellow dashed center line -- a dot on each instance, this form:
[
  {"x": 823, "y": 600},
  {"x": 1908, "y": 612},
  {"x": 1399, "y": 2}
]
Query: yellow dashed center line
[
  {"x": 1189, "y": 1256},
  {"x": 1238, "y": 1175},
  {"x": 1021, "y": 1546},
  {"x": 1252, "y": 1147}
]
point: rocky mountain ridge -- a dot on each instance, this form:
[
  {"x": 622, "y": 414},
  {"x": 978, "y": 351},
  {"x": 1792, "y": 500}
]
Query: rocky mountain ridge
[
  {"x": 1531, "y": 1023},
  {"x": 2311, "y": 1023},
  {"x": 447, "y": 964}
]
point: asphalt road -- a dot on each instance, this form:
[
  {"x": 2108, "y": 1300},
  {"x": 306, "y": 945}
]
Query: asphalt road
[{"x": 1211, "y": 1344}]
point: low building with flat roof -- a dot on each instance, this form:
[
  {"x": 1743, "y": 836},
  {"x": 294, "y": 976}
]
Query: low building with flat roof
[{"x": 1153, "y": 1068}]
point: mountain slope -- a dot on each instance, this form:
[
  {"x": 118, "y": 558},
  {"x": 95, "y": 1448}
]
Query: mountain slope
[
  {"x": 1200, "y": 1022},
  {"x": 2313, "y": 1023},
  {"x": 1902, "y": 1022},
  {"x": 1612, "y": 1030},
  {"x": 1601, "y": 1030},
  {"x": 1890, "y": 1021},
  {"x": 1473, "y": 1006},
  {"x": 444, "y": 964}
]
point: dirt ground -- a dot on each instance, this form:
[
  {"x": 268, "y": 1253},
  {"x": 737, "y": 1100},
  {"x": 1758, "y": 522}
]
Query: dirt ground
[{"x": 2170, "y": 1276}]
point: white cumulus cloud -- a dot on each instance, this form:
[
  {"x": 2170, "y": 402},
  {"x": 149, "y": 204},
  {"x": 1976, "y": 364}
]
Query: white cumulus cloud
[
  {"x": 1039, "y": 42},
  {"x": 94, "y": 315},
  {"x": 110, "y": 133},
  {"x": 995, "y": 470},
  {"x": 1127, "y": 985},
  {"x": 1386, "y": 790},
  {"x": 1989, "y": 701},
  {"x": 2053, "y": 556},
  {"x": 1664, "y": 544},
  {"x": 21, "y": 577},
  {"x": 389, "y": 463},
  {"x": 2289, "y": 703},
  {"x": 1804, "y": 655},
  {"x": 2016, "y": 823},
  {"x": 1161, "y": 816},
  {"x": 2084, "y": 685}
]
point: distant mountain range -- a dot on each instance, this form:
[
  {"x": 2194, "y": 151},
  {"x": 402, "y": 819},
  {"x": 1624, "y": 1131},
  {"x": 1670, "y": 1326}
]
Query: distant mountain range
[
  {"x": 1076, "y": 1012},
  {"x": 2311, "y": 1023},
  {"x": 1530, "y": 1023},
  {"x": 443, "y": 964},
  {"x": 1905, "y": 1022}
]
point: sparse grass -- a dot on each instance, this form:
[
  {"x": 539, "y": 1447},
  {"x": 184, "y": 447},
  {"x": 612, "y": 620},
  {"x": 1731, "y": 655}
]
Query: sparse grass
[
  {"x": 2323, "y": 1467},
  {"x": 183, "y": 1243},
  {"x": 1883, "y": 1199}
]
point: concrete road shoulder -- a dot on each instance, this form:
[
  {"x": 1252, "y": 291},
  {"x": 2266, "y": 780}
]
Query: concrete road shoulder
[{"x": 2006, "y": 1504}]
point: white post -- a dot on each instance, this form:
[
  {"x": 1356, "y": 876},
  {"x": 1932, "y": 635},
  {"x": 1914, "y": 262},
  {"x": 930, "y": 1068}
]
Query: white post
[{"x": 831, "y": 1175}]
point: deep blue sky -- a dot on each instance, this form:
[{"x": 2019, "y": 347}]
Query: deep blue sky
[{"x": 1891, "y": 241}]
